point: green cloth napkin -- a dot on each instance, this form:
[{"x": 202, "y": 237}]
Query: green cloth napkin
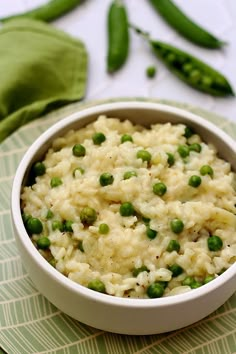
[{"x": 41, "y": 68}]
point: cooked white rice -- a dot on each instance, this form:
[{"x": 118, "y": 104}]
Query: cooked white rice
[{"x": 206, "y": 210}]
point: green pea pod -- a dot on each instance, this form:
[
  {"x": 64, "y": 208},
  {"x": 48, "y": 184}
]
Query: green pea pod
[
  {"x": 191, "y": 70},
  {"x": 48, "y": 12},
  {"x": 118, "y": 36},
  {"x": 184, "y": 25}
]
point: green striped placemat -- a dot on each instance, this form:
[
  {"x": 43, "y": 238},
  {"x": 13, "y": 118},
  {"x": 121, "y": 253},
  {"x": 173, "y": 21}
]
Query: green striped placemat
[{"x": 30, "y": 324}]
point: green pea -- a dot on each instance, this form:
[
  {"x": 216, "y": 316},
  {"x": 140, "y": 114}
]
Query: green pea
[
  {"x": 151, "y": 233},
  {"x": 159, "y": 189},
  {"x": 106, "y": 179},
  {"x": 194, "y": 181},
  {"x": 208, "y": 278},
  {"x": 79, "y": 169},
  {"x": 55, "y": 182},
  {"x": 80, "y": 246},
  {"x": 53, "y": 262},
  {"x": 103, "y": 229},
  {"x": 177, "y": 226},
  {"x": 196, "y": 285},
  {"x": 151, "y": 71},
  {"x": 125, "y": 138},
  {"x": 88, "y": 216},
  {"x": 206, "y": 80},
  {"x": 57, "y": 225},
  {"x": 137, "y": 271},
  {"x": 49, "y": 214},
  {"x": 175, "y": 269},
  {"x": 188, "y": 281},
  {"x": 146, "y": 220},
  {"x": 155, "y": 290},
  {"x": 214, "y": 243},
  {"x": 78, "y": 150},
  {"x": 195, "y": 147},
  {"x": 26, "y": 217},
  {"x": 170, "y": 159},
  {"x": 183, "y": 150},
  {"x": 188, "y": 132},
  {"x": 34, "y": 226},
  {"x": 187, "y": 68},
  {"x": 98, "y": 138},
  {"x": 39, "y": 169},
  {"x": 173, "y": 246},
  {"x": 195, "y": 76},
  {"x": 171, "y": 58},
  {"x": 68, "y": 226},
  {"x": 130, "y": 174},
  {"x": 144, "y": 155},
  {"x": 127, "y": 209},
  {"x": 206, "y": 170},
  {"x": 43, "y": 243},
  {"x": 97, "y": 285}
]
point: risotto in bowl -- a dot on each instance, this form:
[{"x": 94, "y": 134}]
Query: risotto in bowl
[{"x": 125, "y": 216}]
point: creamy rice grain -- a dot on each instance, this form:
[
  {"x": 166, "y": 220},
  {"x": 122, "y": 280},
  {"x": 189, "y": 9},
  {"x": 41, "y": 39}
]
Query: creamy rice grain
[{"x": 137, "y": 250}]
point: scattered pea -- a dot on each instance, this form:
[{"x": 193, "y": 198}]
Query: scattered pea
[
  {"x": 175, "y": 269},
  {"x": 190, "y": 281},
  {"x": 130, "y": 174},
  {"x": 68, "y": 226},
  {"x": 97, "y": 285},
  {"x": 151, "y": 233},
  {"x": 183, "y": 150},
  {"x": 43, "y": 243},
  {"x": 49, "y": 214},
  {"x": 146, "y": 220},
  {"x": 208, "y": 278},
  {"x": 34, "y": 226},
  {"x": 106, "y": 179},
  {"x": 194, "y": 181},
  {"x": 88, "y": 216},
  {"x": 78, "y": 150},
  {"x": 214, "y": 243},
  {"x": 170, "y": 159},
  {"x": 39, "y": 169},
  {"x": 173, "y": 246},
  {"x": 55, "y": 182},
  {"x": 125, "y": 138},
  {"x": 98, "y": 138},
  {"x": 195, "y": 147},
  {"x": 103, "y": 229},
  {"x": 144, "y": 155},
  {"x": 151, "y": 71},
  {"x": 57, "y": 225},
  {"x": 206, "y": 170},
  {"x": 159, "y": 189},
  {"x": 188, "y": 132},
  {"x": 79, "y": 169},
  {"x": 141, "y": 269},
  {"x": 155, "y": 290},
  {"x": 127, "y": 209},
  {"x": 194, "y": 76},
  {"x": 25, "y": 217},
  {"x": 177, "y": 226}
]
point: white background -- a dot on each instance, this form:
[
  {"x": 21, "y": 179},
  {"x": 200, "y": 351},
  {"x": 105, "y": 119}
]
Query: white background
[{"x": 88, "y": 22}]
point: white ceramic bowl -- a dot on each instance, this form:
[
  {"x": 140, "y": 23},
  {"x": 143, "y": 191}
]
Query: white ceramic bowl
[{"x": 121, "y": 315}]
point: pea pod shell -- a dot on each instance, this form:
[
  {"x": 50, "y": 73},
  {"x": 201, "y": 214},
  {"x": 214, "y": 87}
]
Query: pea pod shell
[
  {"x": 206, "y": 79},
  {"x": 48, "y": 12},
  {"x": 118, "y": 36},
  {"x": 178, "y": 20}
]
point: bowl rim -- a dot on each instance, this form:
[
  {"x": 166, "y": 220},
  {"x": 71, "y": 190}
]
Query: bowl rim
[{"x": 54, "y": 273}]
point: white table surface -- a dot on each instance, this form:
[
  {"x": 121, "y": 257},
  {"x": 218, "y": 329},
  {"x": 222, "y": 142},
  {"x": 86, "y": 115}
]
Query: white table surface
[{"x": 88, "y": 22}]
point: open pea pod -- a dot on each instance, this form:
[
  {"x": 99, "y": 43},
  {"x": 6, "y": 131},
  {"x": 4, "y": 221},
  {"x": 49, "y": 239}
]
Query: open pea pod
[{"x": 192, "y": 70}]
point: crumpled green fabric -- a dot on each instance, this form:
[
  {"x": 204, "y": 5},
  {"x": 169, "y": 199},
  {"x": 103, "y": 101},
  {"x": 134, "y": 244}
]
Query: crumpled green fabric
[{"x": 41, "y": 68}]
